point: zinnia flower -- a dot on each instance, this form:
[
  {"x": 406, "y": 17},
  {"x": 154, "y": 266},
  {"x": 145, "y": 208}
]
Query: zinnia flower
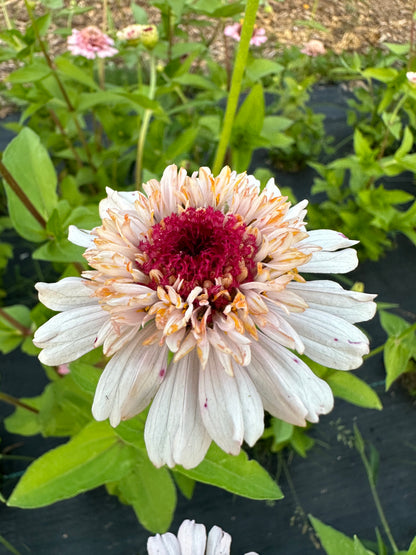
[
  {"x": 91, "y": 43},
  {"x": 314, "y": 48},
  {"x": 192, "y": 539},
  {"x": 411, "y": 77},
  {"x": 234, "y": 31},
  {"x": 197, "y": 298}
]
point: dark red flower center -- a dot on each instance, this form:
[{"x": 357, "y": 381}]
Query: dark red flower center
[{"x": 199, "y": 246}]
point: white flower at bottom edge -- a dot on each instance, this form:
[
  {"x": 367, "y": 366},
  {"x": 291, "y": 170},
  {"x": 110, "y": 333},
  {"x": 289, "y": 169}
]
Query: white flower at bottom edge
[
  {"x": 207, "y": 268},
  {"x": 191, "y": 540}
]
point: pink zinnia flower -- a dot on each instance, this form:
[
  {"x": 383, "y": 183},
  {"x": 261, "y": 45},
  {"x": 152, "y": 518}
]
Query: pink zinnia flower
[
  {"x": 91, "y": 43},
  {"x": 314, "y": 48},
  {"x": 234, "y": 31},
  {"x": 191, "y": 540},
  {"x": 196, "y": 294}
]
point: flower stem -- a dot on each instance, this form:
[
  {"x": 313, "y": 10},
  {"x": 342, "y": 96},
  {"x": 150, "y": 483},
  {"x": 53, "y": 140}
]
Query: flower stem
[
  {"x": 375, "y": 351},
  {"x": 61, "y": 86},
  {"x": 145, "y": 124},
  {"x": 68, "y": 141},
  {"x": 16, "y": 402},
  {"x": 15, "y": 187},
  {"x": 360, "y": 446},
  {"x": 236, "y": 80},
  {"x": 23, "y": 329}
]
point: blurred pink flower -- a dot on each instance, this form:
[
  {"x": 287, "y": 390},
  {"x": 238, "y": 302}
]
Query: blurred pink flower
[
  {"x": 314, "y": 48},
  {"x": 91, "y": 43},
  {"x": 234, "y": 31},
  {"x": 63, "y": 369},
  {"x": 411, "y": 77}
]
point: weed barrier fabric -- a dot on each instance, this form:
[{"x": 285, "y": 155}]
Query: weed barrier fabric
[{"x": 330, "y": 483}]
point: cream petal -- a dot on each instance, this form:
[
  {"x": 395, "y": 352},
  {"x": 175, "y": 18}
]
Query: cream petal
[
  {"x": 252, "y": 406},
  {"x": 327, "y": 239},
  {"x": 221, "y": 406},
  {"x": 329, "y": 296},
  {"x": 219, "y": 542},
  {"x": 66, "y": 294},
  {"x": 117, "y": 200},
  {"x": 192, "y": 538},
  {"x": 174, "y": 431},
  {"x": 70, "y": 334},
  {"x": 130, "y": 379},
  {"x": 80, "y": 237},
  {"x": 167, "y": 544},
  {"x": 324, "y": 262},
  {"x": 305, "y": 395},
  {"x": 330, "y": 340}
]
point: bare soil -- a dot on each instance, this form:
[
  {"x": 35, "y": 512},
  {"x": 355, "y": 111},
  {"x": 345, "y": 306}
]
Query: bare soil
[{"x": 342, "y": 25}]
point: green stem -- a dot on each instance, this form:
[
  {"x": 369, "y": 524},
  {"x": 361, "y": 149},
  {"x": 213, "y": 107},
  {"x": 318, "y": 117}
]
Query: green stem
[
  {"x": 24, "y": 199},
  {"x": 145, "y": 123},
  {"x": 6, "y": 15},
  {"x": 236, "y": 80},
  {"x": 60, "y": 85},
  {"x": 68, "y": 141},
  {"x": 16, "y": 402},
  {"x": 23, "y": 329},
  {"x": 370, "y": 476},
  {"x": 375, "y": 351}
]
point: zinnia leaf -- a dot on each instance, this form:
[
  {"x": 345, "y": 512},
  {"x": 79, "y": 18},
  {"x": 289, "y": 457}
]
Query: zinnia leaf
[
  {"x": 235, "y": 474},
  {"x": 91, "y": 458}
]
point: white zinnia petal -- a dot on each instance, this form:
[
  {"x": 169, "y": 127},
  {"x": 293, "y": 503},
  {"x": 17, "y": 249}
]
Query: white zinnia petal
[
  {"x": 324, "y": 262},
  {"x": 80, "y": 237},
  {"x": 192, "y": 538},
  {"x": 167, "y": 544},
  {"x": 174, "y": 431},
  {"x": 330, "y": 297},
  {"x": 219, "y": 542},
  {"x": 130, "y": 379},
  {"x": 70, "y": 334},
  {"x": 288, "y": 387},
  {"x": 327, "y": 239},
  {"x": 330, "y": 340},
  {"x": 68, "y": 293},
  {"x": 230, "y": 405},
  {"x": 118, "y": 201}
]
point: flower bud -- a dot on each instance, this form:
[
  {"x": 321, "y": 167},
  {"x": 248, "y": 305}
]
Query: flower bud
[{"x": 150, "y": 36}]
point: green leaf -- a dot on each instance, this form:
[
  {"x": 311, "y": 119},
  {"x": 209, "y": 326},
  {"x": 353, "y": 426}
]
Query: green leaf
[
  {"x": 29, "y": 74},
  {"x": 235, "y": 474},
  {"x": 132, "y": 431},
  {"x": 85, "y": 375},
  {"x": 260, "y": 67},
  {"x": 412, "y": 548},
  {"x": 392, "y": 324},
  {"x": 72, "y": 71},
  {"x": 407, "y": 144},
  {"x": 10, "y": 336},
  {"x": 383, "y": 74},
  {"x": 397, "y": 353},
  {"x": 182, "y": 144},
  {"x": 185, "y": 484},
  {"x": 139, "y": 14},
  {"x": 361, "y": 146},
  {"x": 90, "y": 459},
  {"x": 194, "y": 80},
  {"x": 359, "y": 549},
  {"x": 36, "y": 177},
  {"x": 332, "y": 541},
  {"x": 151, "y": 493},
  {"x": 349, "y": 387},
  {"x": 23, "y": 421}
]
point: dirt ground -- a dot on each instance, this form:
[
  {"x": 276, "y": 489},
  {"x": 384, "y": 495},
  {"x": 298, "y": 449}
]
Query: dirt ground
[{"x": 340, "y": 24}]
